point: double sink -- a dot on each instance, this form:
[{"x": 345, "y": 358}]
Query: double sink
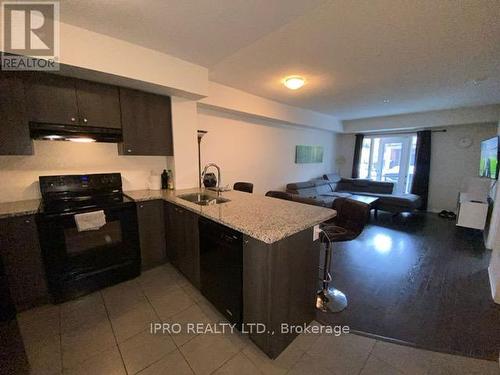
[{"x": 202, "y": 199}]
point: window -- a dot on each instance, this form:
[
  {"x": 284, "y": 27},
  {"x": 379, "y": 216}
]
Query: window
[{"x": 390, "y": 159}]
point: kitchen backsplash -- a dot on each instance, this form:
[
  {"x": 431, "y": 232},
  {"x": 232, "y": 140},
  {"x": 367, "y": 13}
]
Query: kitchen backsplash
[{"x": 19, "y": 174}]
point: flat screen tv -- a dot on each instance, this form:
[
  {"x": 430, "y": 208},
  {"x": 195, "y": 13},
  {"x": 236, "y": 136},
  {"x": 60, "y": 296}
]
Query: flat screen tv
[{"x": 488, "y": 166}]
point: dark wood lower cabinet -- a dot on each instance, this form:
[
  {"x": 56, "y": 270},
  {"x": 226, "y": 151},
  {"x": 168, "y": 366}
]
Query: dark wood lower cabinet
[
  {"x": 279, "y": 279},
  {"x": 182, "y": 239},
  {"x": 279, "y": 287},
  {"x": 22, "y": 259},
  {"x": 150, "y": 215}
]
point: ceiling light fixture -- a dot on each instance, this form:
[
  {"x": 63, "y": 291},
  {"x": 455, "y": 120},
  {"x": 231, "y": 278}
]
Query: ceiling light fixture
[
  {"x": 81, "y": 140},
  {"x": 294, "y": 82},
  {"x": 386, "y": 101}
]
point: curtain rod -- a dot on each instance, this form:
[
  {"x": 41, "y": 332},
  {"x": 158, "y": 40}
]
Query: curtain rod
[{"x": 403, "y": 132}]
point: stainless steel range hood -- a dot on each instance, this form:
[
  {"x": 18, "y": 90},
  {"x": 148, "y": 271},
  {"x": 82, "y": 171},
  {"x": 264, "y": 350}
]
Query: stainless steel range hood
[{"x": 75, "y": 133}]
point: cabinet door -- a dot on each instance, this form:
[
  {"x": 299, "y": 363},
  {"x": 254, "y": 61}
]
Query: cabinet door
[
  {"x": 14, "y": 129},
  {"x": 171, "y": 236},
  {"x": 51, "y": 99},
  {"x": 22, "y": 259},
  {"x": 146, "y": 123},
  {"x": 183, "y": 241},
  {"x": 152, "y": 233},
  {"x": 190, "y": 259},
  {"x": 98, "y": 104}
]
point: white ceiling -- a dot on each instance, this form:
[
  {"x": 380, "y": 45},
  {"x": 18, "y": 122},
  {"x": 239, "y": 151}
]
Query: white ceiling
[{"x": 419, "y": 55}]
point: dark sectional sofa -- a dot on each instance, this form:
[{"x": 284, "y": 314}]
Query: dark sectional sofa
[{"x": 332, "y": 187}]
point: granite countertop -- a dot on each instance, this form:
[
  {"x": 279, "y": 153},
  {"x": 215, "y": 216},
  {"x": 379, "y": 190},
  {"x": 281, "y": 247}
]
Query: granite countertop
[
  {"x": 19, "y": 208},
  {"x": 264, "y": 218}
]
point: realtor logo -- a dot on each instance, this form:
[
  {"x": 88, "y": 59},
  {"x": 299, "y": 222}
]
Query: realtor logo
[{"x": 30, "y": 35}]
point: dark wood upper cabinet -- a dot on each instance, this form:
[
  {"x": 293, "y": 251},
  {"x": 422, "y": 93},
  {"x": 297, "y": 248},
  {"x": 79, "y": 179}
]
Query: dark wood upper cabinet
[
  {"x": 146, "y": 123},
  {"x": 55, "y": 99},
  {"x": 51, "y": 99},
  {"x": 152, "y": 233},
  {"x": 14, "y": 130},
  {"x": 145, "y": 118},
  {"x": 22, "y": 259},
  {"x": 98, "y": 104}
]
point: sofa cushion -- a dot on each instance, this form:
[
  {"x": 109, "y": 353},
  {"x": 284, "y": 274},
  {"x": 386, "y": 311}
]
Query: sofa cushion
[
  {"x": 311, "y": 188},
  {"x": 363, "y": 185},
  {"x": 307, "y": 192},
  {"x": 401, "y": 200},
  {"x": 332, "y": 177},
  {"x": 323, "y": 189},
  {"x": 300, "y": 185},
  {"x": 333, "y": 185},
  {"x": 337, "y": 194}
]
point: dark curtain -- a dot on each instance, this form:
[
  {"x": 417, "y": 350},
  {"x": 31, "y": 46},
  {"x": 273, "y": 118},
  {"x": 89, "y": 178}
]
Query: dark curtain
[
  {"x": 357, "y": 155},
  {"x": 420, "y": 185}
]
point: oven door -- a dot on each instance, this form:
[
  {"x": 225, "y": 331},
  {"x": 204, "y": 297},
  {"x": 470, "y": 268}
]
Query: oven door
[{"x": 79, "y": 262}]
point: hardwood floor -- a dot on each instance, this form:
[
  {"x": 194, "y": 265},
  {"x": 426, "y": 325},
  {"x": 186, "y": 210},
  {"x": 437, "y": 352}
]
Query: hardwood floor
[{"x": 421, "y": 280}]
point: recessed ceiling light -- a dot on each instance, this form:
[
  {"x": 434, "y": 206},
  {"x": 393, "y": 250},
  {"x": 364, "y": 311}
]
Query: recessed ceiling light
[{"x": 294, "y": 82}]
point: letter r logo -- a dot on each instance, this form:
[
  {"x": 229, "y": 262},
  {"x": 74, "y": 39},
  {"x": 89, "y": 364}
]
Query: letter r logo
[{"x": 29, "y": 28}]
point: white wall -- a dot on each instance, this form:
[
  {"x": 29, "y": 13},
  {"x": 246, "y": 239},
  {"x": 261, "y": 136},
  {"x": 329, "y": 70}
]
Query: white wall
[
  {"x": 19, "y": 174},
  {"x": 101, "y": 53},
  {"x": 345, "y": 149},
  {"x": 450, "y": 164},
  {"x": 184, "y": 126},
  {"x": 259, "y": 151},
  {"x": 430, "y": 119},
  {"x": 243, "y": 103}
]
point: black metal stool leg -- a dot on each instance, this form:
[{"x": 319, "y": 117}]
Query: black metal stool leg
[{"x": 329, "y": 299}]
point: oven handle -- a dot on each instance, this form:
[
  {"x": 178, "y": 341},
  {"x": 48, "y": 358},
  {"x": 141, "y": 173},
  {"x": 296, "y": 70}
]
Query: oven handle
[{"x": 73, "y": 213}]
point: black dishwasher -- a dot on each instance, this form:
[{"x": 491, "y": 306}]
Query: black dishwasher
[{"x": 221, "y": 269}]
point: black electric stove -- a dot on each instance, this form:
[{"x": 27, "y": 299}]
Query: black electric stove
[{"x": 78, "y": 262}]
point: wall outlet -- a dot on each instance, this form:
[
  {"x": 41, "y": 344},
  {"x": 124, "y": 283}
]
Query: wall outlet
[{"x": 316, "y": 232}]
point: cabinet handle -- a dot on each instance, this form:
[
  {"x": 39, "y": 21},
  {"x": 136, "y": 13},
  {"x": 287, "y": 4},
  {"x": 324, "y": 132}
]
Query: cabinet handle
[
  {"x": 73, "y": 119},
  {"x": 85, "y": 120},
  {"x": 27, "y": 221}
]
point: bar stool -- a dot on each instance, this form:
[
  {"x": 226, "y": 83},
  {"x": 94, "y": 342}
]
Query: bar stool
[
  {"x": 348, "y": 224},
  {"x": 246, "y": 187}
]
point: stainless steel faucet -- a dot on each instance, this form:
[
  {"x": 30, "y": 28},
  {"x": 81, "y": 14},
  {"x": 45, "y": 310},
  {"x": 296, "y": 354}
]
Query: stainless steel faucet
[{"x": 218, "y": 175}]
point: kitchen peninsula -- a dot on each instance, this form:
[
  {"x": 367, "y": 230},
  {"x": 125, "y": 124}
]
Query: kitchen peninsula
[
  {"x": 267, "y": 270},
  {"x": 280, "y": 259}
]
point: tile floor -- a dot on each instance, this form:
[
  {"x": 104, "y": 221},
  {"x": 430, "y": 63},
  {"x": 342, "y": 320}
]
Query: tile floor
[{"x": 107, "y": 332}]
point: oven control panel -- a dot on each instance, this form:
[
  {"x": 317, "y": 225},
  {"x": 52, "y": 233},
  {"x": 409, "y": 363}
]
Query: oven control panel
[{"x": 105, "y": 182}]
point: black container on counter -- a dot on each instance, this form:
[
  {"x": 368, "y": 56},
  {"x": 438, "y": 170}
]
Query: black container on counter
[{"x": 164, "y": 179}]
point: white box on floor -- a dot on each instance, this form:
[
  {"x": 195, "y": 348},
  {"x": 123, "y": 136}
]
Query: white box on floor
[{"x": 471, "y": 213}]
